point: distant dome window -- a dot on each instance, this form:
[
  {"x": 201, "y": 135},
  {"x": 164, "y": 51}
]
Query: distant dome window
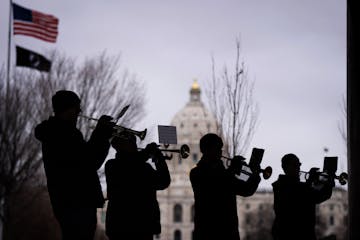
[
  {"x": 195, "y": 97},
  {"x": 178, "y": 213},
  {"x": 181, "y": 125},
  {"x": 195, "y": 125},
  {"x": 177, "y": 235},
  {"x": 248, "y": 219},
  {"x": 195, "y": 157}
]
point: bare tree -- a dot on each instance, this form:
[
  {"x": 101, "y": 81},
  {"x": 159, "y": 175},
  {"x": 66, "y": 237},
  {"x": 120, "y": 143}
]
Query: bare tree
[
  {"x": 103, "y": 89},
  {"x": 230, "y": 97},
  {"x": 19, "y": 158}
]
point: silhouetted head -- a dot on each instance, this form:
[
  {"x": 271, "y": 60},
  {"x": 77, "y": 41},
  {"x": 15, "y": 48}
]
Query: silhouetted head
[
  {"x": 66, "y": 105},
  {"x": 291, "y": 164},
  {"x": 63, "y": 100},
  {"x": 124, "y": 142},
  {"x": 211, "y": 146}
]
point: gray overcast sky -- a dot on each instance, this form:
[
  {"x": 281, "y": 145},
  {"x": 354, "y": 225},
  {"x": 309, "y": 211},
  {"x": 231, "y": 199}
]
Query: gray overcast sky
[{"x": 294, "y": 50}]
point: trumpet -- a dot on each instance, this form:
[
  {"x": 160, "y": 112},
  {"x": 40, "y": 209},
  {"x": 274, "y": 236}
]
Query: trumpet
[
  {"x": 324, "y": 176},
  {"x": 184, "y": 151},
  {"x": 266, "y": 172},
  {"x": 118, "y": 129}
]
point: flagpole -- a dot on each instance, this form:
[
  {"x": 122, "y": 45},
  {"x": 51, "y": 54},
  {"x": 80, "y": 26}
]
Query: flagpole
[{"x": 9, "y": 51}]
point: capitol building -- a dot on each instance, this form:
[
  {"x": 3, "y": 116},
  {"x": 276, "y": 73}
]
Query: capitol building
[
  {"x": 177, "y": 201},
  {"x": 255, "y": 212}
]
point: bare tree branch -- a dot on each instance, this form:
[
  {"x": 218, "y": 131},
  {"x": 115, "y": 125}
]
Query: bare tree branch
[
  {"x": 231, "y": 101},
  {"x": 342, "y": 123}
]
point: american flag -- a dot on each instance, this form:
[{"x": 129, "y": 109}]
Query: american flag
[{"x": 35, "y": 24}]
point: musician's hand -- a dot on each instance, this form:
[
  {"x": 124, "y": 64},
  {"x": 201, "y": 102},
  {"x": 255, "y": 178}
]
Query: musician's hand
[
  {"x": 313, "y": 174},
  {"x": 105, "y": 126},
  {"x": 255, "y": 168},
  {"x": 104, "y": 119},
  {"x": 236, "y": 163},
  {"x": 153, "y": 151},
  {"x": 151, "y": 148},
  {"x": 238, "y": 159}
]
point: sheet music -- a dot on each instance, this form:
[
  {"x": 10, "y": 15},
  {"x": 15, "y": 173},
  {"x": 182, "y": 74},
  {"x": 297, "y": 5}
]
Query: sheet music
[{"x": 167, "y": 134}]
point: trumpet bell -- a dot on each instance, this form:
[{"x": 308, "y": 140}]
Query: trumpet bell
[
  {"x": 343, "y": 178},
  {"x": 267, "y": 172},
  {"x": 184, "y": 151},
  {"x": 140, "y": 134}
]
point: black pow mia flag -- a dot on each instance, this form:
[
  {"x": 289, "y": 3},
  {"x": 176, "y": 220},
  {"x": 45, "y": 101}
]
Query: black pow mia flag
[{"x": 27, "y": 58}]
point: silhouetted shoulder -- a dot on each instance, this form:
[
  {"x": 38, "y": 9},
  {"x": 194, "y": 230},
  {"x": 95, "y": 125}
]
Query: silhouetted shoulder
[
  {"x": 45, "y": 129},
  {"x": 109, "y": 162},
  {"x": 194, "y": 172}
]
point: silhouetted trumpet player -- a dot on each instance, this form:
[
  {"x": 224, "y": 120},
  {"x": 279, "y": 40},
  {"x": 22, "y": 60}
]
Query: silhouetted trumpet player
[
  {"x": 71, "y": 165},
  {"x": 215, "y": 189},
  {"x": 133, "y": 211},
  {"x": 295, "y": 201}
]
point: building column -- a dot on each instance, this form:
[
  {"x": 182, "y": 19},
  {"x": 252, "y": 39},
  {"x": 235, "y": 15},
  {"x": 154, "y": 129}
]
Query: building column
[{"x": 353, "y": 116}]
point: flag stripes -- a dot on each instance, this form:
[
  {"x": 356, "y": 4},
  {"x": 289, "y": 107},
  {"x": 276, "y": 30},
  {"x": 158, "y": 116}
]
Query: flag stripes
[
  {"x": 29, "y": 30},
  {"x": 35, "y": 24}
]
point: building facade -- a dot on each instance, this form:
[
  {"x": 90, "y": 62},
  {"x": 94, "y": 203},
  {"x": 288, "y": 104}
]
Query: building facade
[{"x": 255, "y": 213}]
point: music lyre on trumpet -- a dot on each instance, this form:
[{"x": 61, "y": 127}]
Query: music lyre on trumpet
[
  {"x": 167, "y": 136},
  {"x": 329, "y": 172},
  {"x": 118, "y": 129},
  {"x": 267, "y": 172},
  {"x": 254, "y": 163}
]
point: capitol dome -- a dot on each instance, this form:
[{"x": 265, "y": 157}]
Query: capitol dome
[{"x": 192, "y": 122}]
